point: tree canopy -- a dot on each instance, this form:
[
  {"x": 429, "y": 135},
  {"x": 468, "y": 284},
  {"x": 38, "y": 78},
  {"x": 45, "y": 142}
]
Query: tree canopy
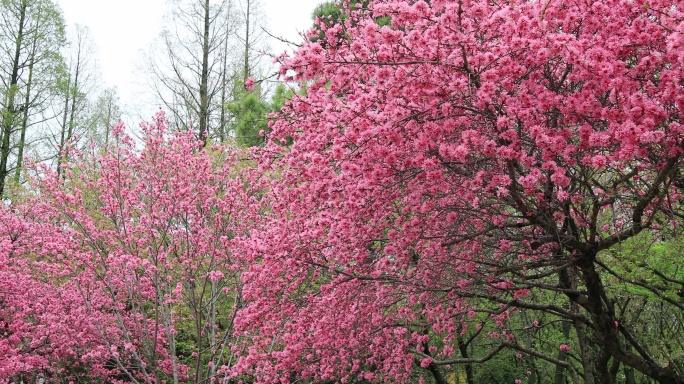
[
  {"x": 458, "y": 170},
  {"x": 468, "y": 184}
]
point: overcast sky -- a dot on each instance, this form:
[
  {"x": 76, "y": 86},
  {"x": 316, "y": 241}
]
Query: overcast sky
[{"x": 122, "y": 29}]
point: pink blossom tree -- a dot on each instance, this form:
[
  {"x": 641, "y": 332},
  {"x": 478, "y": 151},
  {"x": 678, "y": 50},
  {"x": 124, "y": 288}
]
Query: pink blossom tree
[
  {"x": 140, "y": 248},
  {"x": 45, "y": 332},
  {"x": 459, "y": 170}
]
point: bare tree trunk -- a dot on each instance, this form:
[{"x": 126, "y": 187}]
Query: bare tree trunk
[
  {"x": 63, "y": 130},
  {"x": 246, "y": 71},
  {"x": 224, "y": 86},
  {"x": 74, "y": 94},
  {"x": 204, "y": 96}
]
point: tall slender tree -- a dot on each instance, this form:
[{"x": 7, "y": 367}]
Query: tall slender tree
[
  {"x": 78, "y": 81},
  {"x": 188, "y": 75},
  {"x": 106, "y": 112},
  {"x": 31, "y": 33},
  {"x": 39, "y": 88}
]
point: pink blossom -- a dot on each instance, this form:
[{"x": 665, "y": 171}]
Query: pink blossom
[
  {"x": 216, "y": 275},
  {"x": 249, "y": 84},
  {"x": 441, "y": 169}
]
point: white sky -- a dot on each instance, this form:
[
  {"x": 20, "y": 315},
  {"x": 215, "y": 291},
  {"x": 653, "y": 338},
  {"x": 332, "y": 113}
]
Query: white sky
[{"x": 123, "y": 29}]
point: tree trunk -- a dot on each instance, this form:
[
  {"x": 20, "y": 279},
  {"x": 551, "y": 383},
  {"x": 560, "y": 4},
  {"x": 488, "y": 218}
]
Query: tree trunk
[
  {"x": 9, "y": 112},
  {"x": 585, "y": 351},
  {"x": 606, "y": 331},
  {"x": 559, "y": 377},
  {"x": 224, "y": 85},
  {"x": 74, "y": 95},
  {"x": 24, "y": 120},
  {"x": 63, "y": 132},
  {"x": 246, "y": 69},
  {"x": 108, "y": 122},
  {"x": 463, "y": 348},
  {"x": 204, "y": 93}
]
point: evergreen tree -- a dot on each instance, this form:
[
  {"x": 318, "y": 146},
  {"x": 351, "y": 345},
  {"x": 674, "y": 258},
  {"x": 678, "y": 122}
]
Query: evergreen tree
[{"x": 251, "y": 114}]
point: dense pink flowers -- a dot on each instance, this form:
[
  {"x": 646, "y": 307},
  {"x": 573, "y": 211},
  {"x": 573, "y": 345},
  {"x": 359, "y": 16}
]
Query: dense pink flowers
[
  {"x": 447, "y": 171},
  {"x": 101, "y": 267},
  {"x": 444, "y": 161}
]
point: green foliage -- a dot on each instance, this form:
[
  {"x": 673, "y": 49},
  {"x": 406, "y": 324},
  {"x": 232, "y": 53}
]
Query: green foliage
[
  {"x": 646, "y": 275},
  {"x": 281, "y": 94},
  {"x": 503, "y": 368},
  {"x": 328, "y": 11},
  {"x": 251, "y": 119},
  {"x": 332, "y": 12},
  {"x": 251, "y": 115},
  {"x": 649, "y": 266}
]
